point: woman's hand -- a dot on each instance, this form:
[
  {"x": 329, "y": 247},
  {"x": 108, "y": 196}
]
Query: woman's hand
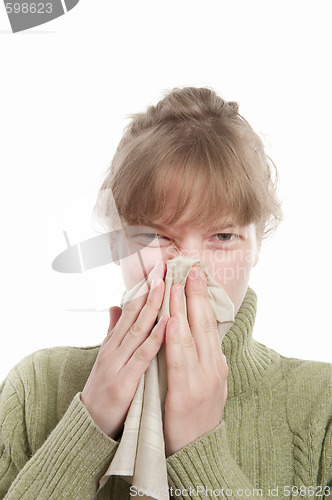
[
  {"x": 196, "y": 367},
  {"x": 133, "y": 341}
]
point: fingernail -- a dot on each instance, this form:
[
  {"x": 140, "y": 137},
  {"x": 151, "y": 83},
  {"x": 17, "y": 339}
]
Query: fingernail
[
  {"x": 195, "y": 273},
  {"x": 157, "y": 265},
  {"x": 202, "y": 275},
  {"x": 155, "y": 283}
]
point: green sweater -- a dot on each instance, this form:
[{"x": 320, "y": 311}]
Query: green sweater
[{"x": 275, "y": 437}]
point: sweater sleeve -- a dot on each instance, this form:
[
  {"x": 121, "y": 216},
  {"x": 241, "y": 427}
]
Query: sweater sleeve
[
  {"x": 326, "y": 465},
  {"x": 206, "y": 469},
  {"x": 69, "y": 463}
]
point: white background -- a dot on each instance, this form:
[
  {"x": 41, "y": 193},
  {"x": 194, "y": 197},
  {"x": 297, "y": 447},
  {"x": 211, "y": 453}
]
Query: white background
[{"x": 65, "y": 90}]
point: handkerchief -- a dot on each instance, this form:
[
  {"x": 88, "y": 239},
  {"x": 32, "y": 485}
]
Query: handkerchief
[{"x": 140, "y": 457}]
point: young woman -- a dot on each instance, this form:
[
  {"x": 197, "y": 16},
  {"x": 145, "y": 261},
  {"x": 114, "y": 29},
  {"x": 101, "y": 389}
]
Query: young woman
[{"x": 188, "y": 199}]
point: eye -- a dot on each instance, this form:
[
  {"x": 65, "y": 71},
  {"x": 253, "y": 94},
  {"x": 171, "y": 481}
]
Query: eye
[
  {"x": 225, "y": 236},
  {"x": 152, "y": 236},
  {"x": 151, "y": 239},
  {"x": 149, "y": 236}
]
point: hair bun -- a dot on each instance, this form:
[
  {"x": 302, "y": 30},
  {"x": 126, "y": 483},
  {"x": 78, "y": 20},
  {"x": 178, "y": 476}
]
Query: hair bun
[
  {"x": 234, "y": 107},
  {"x": 184, "y": 105},
  {"x": 192, "y": 103}
]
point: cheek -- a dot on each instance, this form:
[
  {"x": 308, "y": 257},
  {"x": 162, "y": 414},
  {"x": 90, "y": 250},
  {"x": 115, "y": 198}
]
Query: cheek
[
  {"x": 228, "y": 271},
  {"x": 138, "y": 265},
  {"x": 232, "y": 271}
]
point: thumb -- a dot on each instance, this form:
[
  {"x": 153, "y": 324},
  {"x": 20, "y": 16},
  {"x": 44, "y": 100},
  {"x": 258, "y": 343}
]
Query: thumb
[{"x": 115, "y": 313}]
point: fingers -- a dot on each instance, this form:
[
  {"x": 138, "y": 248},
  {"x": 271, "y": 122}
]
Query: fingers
[
  {"x": 198, "y": 325},
  {"x": 202, "y": 322},
  {"x": 143, "y": 325},
  {"x": 177, "y": 372},
  {"x": 142, "y": 357},
  {"x": 115, "y": 313},
  {"x": 132, "y": 309},
  {"x": 179, "y": 330}
]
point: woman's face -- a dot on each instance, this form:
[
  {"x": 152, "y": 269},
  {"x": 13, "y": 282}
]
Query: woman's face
[{"x": 228, "y": 251}]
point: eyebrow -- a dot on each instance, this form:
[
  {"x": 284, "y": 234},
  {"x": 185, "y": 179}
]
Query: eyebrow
[
  {"x": 215, "y": 227},
  {"x": 154, "y": 226}
]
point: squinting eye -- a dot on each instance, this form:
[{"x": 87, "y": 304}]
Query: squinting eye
[
  {"x": 154, "y": 236},
  {"x": 146, "y": 239},
  {"x": 150, "y": 236},
  {"x": 225, "y": 236}
]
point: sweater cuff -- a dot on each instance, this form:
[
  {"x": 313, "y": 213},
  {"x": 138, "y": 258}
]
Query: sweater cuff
[
  {"x": 73, "y": 458},
  {"x": 206, "y": 465},
  {"x": 82, "y": 444}
]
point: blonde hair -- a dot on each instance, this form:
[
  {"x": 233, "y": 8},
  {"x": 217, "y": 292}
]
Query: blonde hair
[{"x": 192, "y": 151}]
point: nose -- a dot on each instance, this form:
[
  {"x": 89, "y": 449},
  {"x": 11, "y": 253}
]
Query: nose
[{"x": 185, "y": 248}]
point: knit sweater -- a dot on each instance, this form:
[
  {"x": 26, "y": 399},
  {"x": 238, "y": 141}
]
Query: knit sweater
[{"x": 275, "y": 438}]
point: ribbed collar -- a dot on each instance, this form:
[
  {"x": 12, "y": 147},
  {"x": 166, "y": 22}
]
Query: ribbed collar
[{"x": 249, "y": 362}]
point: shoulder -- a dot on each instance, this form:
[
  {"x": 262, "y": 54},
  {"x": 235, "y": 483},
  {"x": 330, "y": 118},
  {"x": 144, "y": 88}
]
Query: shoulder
[
  {"x": 50, "y": 370},
  {"x": 314, "y": 376},
  {"x": 308, "y": 390},
  {"x": 61, "y": 356},
  {"x": 37, "y": 392},
  {"x": 55, "y": 359}
]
